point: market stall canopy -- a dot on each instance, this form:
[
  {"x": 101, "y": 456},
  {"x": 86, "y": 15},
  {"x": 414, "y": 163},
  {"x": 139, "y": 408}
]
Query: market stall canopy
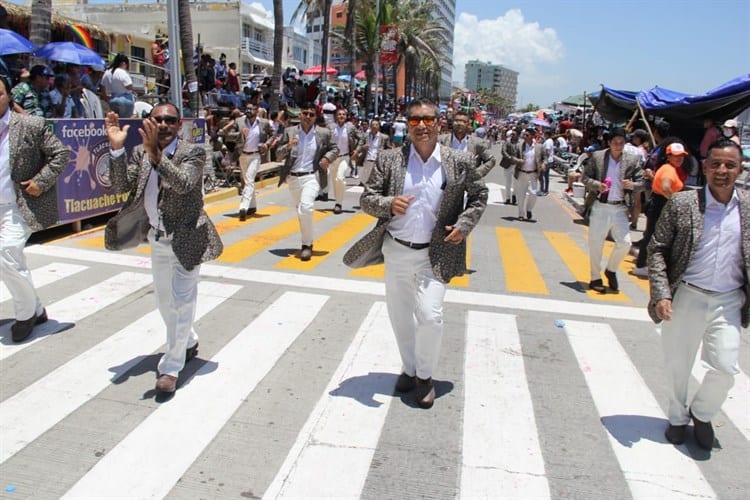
[
  {"x": 70, "y": 52},
  {"x": 576, "y": 100},
  {"x": 724, "y": 102},
  {"x": 13, "y": 43},
  {"x": 315, "y": 70},
  {"x": 615, "y": 106}
]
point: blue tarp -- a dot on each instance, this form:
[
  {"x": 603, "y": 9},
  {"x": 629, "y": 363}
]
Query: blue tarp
[{"x": 614, "y": 105}]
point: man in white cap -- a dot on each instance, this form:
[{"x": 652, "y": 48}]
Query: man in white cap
[{"x": 730, "y": 130}]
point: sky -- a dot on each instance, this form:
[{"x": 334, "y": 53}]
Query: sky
[{"x": 565, "y": 47}]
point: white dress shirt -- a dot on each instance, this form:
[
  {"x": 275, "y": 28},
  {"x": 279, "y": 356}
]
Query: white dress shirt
[
  {"x": 252, "y": 140},
  {"x": 341, "y": 137},
  {"x": 425, "y": 181},
  {"x": 717, "y": 262},
  {"x": 7, "y": 190},
  {"x": 304, "y": 151},
  {"x": 529, "y": 158},
  {"x": 613, "y": 172},
  {"x": 462, "y": 145},
  {"x": 373, "y": 146}
]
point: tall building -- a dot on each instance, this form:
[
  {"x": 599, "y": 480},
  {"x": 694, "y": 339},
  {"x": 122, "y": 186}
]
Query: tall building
[
  {"x": 479, "y": 75},
  {"x": 445, "y": 14}
]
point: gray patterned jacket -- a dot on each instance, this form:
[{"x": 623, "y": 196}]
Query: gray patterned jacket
[
  {"x": 387, "y": 181},
  {"x": 36, "y": 154},
  {"x": 195, "y": 239},
  {"x": 675, "y": 241},
  {"x": 478, "y": 147},
  {"x": 595, "y": 171}
]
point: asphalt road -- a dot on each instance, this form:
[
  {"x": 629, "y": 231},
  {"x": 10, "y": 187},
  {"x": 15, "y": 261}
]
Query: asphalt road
[{"x": 545, "y": 390}]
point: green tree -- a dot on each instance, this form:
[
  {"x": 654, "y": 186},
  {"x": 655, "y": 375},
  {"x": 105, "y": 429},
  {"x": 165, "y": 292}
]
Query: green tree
[{"x": 530, "y": 107}]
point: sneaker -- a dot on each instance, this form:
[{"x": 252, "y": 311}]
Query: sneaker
[{"x": 641, "y": 272}]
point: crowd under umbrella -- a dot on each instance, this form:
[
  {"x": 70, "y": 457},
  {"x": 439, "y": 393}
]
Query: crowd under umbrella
[
  {"x": 69, "y": 52},
  {"x": 315, "y": 70},
  {"x": 13, "y": 43}
]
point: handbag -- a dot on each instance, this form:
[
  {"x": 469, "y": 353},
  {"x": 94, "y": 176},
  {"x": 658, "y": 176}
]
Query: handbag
[{"x": 128, "y": 228}]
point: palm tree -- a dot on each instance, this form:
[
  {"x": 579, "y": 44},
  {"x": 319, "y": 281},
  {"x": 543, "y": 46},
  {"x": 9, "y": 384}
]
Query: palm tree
[
  {"x": 313, "y": 8},
  {"x": 278, "y": 47},
  {"x": 41, "y": 23},
  {"x": 350, "y": 41},
  {"x": 186, "y": 46}
]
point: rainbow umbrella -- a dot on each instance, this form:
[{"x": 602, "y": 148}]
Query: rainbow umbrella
[{"x": 13, "y": 43}]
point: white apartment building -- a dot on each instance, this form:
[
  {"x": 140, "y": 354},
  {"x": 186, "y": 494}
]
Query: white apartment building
[{"x": 481, "y": 75}]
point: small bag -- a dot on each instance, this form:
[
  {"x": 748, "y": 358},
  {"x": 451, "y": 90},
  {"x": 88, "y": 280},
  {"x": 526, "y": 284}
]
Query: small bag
[{"x": 129, "y": 228}]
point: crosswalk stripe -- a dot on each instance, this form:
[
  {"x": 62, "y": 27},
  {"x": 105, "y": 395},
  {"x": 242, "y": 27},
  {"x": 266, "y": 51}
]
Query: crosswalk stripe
[
  {"x": 495, "y": 193},
  {"x": 176, "y": 433},
  {"x": 521, "y": 272},
  {"x": 328, "y": 243},
  {"x": 738, "y": 400},
  {"x": 71, "y": 385},
  {"x": 633, "y": 420},
  {"x": 499, "y": 460},
  {"x": 341, "y": 434},
  {"x": 78, "y": 306},
  {"x": 577, "y": 262},
  {"x": 46, "y": 275},
  {"x": 260, "y": 241}
]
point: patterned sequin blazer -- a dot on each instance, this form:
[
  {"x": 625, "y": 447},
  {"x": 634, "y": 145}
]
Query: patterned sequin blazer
[
  {"x": 325, "y": 147},
  {"x": 194, "y": 237},
  {"x": 675, "y": 241},
  {"x": 36, "y": 154},
  {"x": 387, "y": 181},
  {"x": 477, "y": 146}
]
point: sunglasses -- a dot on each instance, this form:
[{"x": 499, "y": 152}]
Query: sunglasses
[
  {"x": 308, "y": 113},
  {"x": 169, "y": 120},
  {"x": 427, "y": 120},
  {"x": 250, "y": 110}
]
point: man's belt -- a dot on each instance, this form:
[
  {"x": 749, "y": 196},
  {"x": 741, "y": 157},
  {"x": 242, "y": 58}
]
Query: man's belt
[
  {"x": 413, "y": 246},
  {"x": 528, "y": 171},
  {"x": 300, "y": 174},
  {"x": 347, "y": 154},
  {"x": 251, "y": 152},
  {"x": 699, "y": 289},
  {"x": 618, "y": 202}
]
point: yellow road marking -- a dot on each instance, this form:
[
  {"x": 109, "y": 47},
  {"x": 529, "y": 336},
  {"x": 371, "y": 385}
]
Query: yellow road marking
[
  {"x": 626, "y": 266},
  {"x": 328, "y": 243},
  {"x": 463, "y": 280},
  {"x": 577, "y": 261},
  {"x": 260, "y": 241},
  {"x": 376, "y": 271},
  {"x": 521, "y": 272}
]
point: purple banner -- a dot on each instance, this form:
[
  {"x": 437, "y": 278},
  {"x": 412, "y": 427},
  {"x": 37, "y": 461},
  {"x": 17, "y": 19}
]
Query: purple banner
[{"x": 84, "y": 189}]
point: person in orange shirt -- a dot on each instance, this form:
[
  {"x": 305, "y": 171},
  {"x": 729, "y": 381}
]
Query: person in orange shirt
[{"x": 668, "y": 179}]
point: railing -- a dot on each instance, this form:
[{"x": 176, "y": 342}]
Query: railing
[
  {"x": 144, "y": 74},
  {"x": 258, "y": 49}
]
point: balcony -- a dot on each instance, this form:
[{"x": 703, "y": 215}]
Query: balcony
[{"x": 258, "y": 50}]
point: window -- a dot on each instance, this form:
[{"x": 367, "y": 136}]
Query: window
[
  {"x": 258, "y": 36},
  {"x": 316, "y": 28},
  {"x": 339, "y": 15}
]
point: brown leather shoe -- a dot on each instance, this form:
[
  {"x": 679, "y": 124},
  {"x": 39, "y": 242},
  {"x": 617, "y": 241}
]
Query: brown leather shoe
[
  {"x": 424, "y": 393},
  {"x": 166, "y": 383},
  {"x": 306, "y": 253},
  {"x": 405, "y": 383}
]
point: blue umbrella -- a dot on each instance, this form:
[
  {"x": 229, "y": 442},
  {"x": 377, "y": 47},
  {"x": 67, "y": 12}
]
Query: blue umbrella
[
  {"x": 13, "y": 43},
  {"x": 69, "y": 52}
]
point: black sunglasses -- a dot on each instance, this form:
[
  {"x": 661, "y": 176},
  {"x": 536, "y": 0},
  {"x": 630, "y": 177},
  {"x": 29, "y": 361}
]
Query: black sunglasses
[
  {"x": 169, "y": 120},
  {"x": 308, "y": 113}
]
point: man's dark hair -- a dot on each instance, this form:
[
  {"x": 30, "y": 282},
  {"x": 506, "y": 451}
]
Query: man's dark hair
[
  {"x": 724, "y": 143},
  {"x": 308, "y": 105},
  {"x": 420, "y": 101},
  {"x": 617, "y": 132},
  {"x": 167, "y": 103},
  {"x": 6, "y": 84},
  {"x": 662, "y": 127}
]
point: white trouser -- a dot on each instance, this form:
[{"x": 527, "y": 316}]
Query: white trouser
[
  {"x": 414, "y": 297},
  {"x": 603, "y": 218},
  {"x": 527, "y": 186},
  {"x": 509, "y": 191},
  {"x": 367, "y": 167},
  {"x": 337, "y": 177},
  {"x": 249, "y": 171},
  {"x": 14, "y": 232},
  {"x": 714, "y": 319},
  {"x": 304, "y": 189},
  {"x": 176, "y": 295}
]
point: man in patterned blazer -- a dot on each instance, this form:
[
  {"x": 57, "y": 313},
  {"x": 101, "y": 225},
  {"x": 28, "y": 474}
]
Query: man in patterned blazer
[
  {"x": 461, "y": 140},
  {"x": 305, "y": 149},
  {"x": 166, "y": 174},
  {"x": 417, "y": 193},
  {"x": 31, "y": 160},
  {"x": 347, "y": 138},
  {"x": 699, "y": 264},
  {"x": 256, "y": 135}
]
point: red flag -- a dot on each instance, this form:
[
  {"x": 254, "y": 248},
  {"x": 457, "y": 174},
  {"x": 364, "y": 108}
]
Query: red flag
[{"x": 388, "y": 44}]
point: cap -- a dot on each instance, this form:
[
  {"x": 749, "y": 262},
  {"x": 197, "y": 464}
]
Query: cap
[
  {"x": 509, "y": 133},
  {"x": 676, "y": 149},
  {"x": 730, "y": 124},
  {"x": 39, "y": 70}
]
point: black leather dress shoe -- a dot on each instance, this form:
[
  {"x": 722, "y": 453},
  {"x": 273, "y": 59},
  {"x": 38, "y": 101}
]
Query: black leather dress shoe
[
  {"x": 675, "y": 434},
  {"x": 529, "y": 215},
  {"x": 251, "y": 210},
  {"x": 191, "y": 352},
  {"x": 322, "y": 197},
  {"x": 704, "y": 432},
  {"x": 612, "y": 280},
  {"x": 597, "y": 286},
  {"x": 337, "y": 209},
  {"x": 306, "y": 253},
  {"x": 243, "y": 214},
  {"x": 405, "y": 383},
  {"x": 514, "y": 201},
  {"x": 424, "y": 393},
  {"x": 21, "y": 330}
]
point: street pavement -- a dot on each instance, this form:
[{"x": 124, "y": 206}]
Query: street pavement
[{"x": 545, "y": 389}]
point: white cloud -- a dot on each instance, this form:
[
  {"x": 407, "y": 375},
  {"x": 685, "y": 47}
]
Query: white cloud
[{"x": 513, "y": 42}]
